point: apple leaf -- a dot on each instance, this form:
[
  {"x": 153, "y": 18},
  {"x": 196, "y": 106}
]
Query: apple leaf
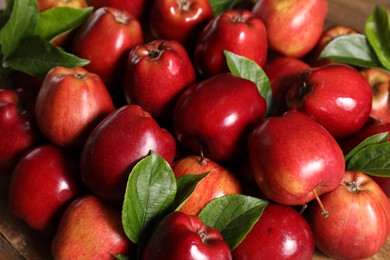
[
  {"x": 36, "y": 57},
  {"x": 250, "y": 70},
  {"x": 377, "y": 29},
  {"x": 186, "y": 184},
  {"x": 219, "y": 6},
  {"x": 21, "y": 24},
  {"x": 149, "y": 196},
  {"x": 233, "y": 215},
  {"x": 58, "y": 20},
  {"x": 374, "y": 139}
]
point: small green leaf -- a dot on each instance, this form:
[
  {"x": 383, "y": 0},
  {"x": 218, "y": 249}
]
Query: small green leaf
[
  {"x": 149, "y": 196},
  {"x": 377, "y": 29},
  {"x": 36, "y": 57},
  {"x": 20, "y": 25},
  {"x": 374, "y": 139},
  {"x": 58, "y": 20},
  {"x": 219, "y": 6},
  {"x": 248, "y": 69},
  {"x": 186, "y": 184},
  {"x": 121, "y": 257},
  {"x": 233, "y": 215},
  {"x": 352, "y": 49}
]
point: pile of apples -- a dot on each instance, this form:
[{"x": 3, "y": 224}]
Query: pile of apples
[{"x": 232, "y": 96}]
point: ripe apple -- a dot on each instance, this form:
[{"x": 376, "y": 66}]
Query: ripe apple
[
  {"x": 45, "y": 180},
  {"x": 181, "y": 236},
  {"x": 180, "y": 20},
  {"x": 280, "y": 233},
  {"x": 358, "y": 223},
  {"x": 294, "y": 159},
  {"x": 116, "y": 32},
  {"x": 293, "y": 26},
  {"x": 214, "y": 116},
  {"x": 136, "y": 8},
  {"x": 336, "y": 96},
  {"x": 166, "y": 61},
  {"x": 90, "y": 229},
  {"x": 238, "y": 31},
  {"x": 122, "y": 139},
  {"x": 219, "y": 182}
]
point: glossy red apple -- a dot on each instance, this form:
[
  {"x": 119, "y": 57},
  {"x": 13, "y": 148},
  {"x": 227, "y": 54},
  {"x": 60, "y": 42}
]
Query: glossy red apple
[
  {"x": 215, "y": 116},
  {"x": 182, "y": 236},
  {"x": 116, "y": 32},
  {"x": 91, "y": 229},
  {"x": 219, "y": 182},
  {"x": 336, "y": 96},
  {"x": 280, "y": 233},
  {"x": 166, "y": 61},
  {"x": 238, "y": 31},
  {"x": 122, "y": 139},
  {"x": 294, "y": 159},
  {"x": 180, "y": 20},
  {"x": 70, "y": 103},
  {"x": 358, "y": 221},
  {"x": 45, "y": 180},
  {"x": 137, "y": 8},
  {"x": 293, "y": 26}
]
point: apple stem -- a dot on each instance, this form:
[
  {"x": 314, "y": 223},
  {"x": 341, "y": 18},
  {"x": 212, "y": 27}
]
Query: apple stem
[
  {"x": 202, "y": 158},
  {"x": 325, "y": 213},
  {"x": 304, "y": 207}
]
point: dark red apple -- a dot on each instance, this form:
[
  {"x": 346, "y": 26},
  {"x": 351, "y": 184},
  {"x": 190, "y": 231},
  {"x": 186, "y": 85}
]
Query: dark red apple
[
  {"x": 280, "y": 233},
  {"x": 45, "y": 180},
  {"x": 181, "y": 236},
  {"x": 137, "y": 8},
  {"x": 122, "y": 139},
  {"x": 215, "y": 116}
]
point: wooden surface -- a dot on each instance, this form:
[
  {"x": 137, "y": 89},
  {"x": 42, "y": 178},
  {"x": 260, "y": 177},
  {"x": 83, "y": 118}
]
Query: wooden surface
[{"x": 17, "y": 241}]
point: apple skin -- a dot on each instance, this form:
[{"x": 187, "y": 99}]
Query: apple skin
[
  {"x": 122, "y": 139},
  {"x": 120, "y": 32},
  {"x": 181, "y": 236},
  {"x": 293, "y": 157},
  {"x": 238, "y": 31},
  {"x": 70, "y": 103},
  {"x": 44, "y": 181},
  {"x": 293, "y": 26},
  {"x": 214, "y": 116},
  {"x": 166, "y": 61},
  {"x": 280, "y": 233},
  {"x": 181, "y": 21},
  {"x": 358, "y": 221},
  {"x": 219, "y": 182},
  {"x": 90, "y": 229},
  {"x": 136, "y": 8},
  {"x": 336, "y": 96}
]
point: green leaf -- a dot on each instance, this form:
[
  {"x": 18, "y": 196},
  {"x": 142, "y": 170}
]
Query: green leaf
[
  {"x": 219, "y": 6},
  {"x": 186, "y": 184},
  {"x": 149, "y": 196},
  {"x": 374, "y": 139},
  {"x": 352, "y": 49},
  {"x": 58, "y": 20},
  {"x": 36, "y": 57},
  {"x": 373, "y": 159},
  {"x": 233, "y": 215},
  {"x": 377, "y": 29},
  {"x": 121, "y": 257},
  {"x": 248, "y": 69},
  {"x": 6, "y": 13},
  {"x": 20, "y": 25}
]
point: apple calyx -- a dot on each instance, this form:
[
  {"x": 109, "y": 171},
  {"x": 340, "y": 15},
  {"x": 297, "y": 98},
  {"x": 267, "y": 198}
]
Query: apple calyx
[
  {"x": 324, "y": 213},
  {"x": 352, "y": 186},
  {"x": 154, "y": 53},
  {"x": 121, "y": 18},
  {"x": 184, "y": 5},
  {"x": 79, "y": 76}
]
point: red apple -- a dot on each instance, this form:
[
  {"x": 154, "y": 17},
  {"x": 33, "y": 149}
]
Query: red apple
[
  {"x": 105, "y": 39},
  {"x": 219, "y": 182},
  {"x": 294, "y": 159},
  {"x": 358, "y": 221},
  {"x": 45, "y": 180},
  {"x": 181, "y": 236},
  {"x": 91, "y": 229},
  {"x": 180, "y": 20},
  {"x": 293, "y": 26},
  {"x": 280, "y": 233},
  {"x": 238, "y": 31},
  {"x": 336, "y": 96},
  {"x": 136, "y": 8},
  {"x": 70, "y": 103},
  {"x": 122, "y": 139},
  {"x": 166, "y": 61},
  {"x": 47, "y": 4},
  {"x": 215, "y": 116}
]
